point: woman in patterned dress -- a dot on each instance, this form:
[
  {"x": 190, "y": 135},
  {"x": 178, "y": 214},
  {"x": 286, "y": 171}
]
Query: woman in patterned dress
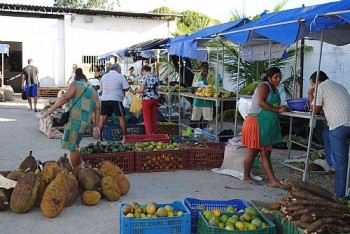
[
  {"x": 149, "y": 88},
  {"x": 81, "y": 114}
]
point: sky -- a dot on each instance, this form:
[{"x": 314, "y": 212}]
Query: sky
[{"x": 218, "y": 9}]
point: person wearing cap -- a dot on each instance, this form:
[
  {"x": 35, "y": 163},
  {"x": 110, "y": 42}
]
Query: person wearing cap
[
  {"x": 113, "y": 86},
  {"x": 202, "y": 108},
  {"x": 95, "y": 83}
]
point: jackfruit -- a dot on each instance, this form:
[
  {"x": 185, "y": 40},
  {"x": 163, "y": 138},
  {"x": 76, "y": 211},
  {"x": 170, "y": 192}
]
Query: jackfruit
[
  {"x": 41, "y": 190},
  {"x": 49, "y": 171},
  {"x": 4, "y": 201},
  {"x": 65, "y": 162},
  {"x": 88, "y": 178},
  {"x": 29, "y": 162},
  {"x": 72, "y": 190},
  {"x": 109, "y": 168},
  {"x": 110, "y": 188},
  {"x": 24, "y": 195},
  {"x": 54, "y": 197},
  {"x": 15, "y": 175},
  {"x": 123, "y": 183},
  {"x": 90, "y": 198}
]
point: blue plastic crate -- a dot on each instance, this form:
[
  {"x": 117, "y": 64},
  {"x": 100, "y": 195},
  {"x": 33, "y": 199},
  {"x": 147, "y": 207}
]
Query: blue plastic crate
[
  {"x": 167, "y": 225},
  {"x": 114, "y": 133},
  {"x": 191, "y": 203}
]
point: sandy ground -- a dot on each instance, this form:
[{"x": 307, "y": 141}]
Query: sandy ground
[{"x": 19, "y": 134}]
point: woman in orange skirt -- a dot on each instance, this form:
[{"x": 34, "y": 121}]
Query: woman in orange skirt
[{"x": 261, "y": 128}]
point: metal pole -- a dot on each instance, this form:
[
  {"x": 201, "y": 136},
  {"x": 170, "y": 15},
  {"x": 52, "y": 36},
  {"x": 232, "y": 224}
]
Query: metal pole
[
  {"x": 270, "y": 45},
  {"x": 301, "y": 78},
  {"x": 312, "y": 119},
  {"x": 168, "y": 85},
  {"x": 2, "y": 71},
  {"x": 295, "y": 70},
  {"x": 237, "y": 89},
  {"x": 217, "y": 103},
  {"x": 179, "y": 97}
]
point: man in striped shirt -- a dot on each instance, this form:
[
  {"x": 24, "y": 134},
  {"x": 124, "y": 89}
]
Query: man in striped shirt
[{"x": 333, "y": 100}]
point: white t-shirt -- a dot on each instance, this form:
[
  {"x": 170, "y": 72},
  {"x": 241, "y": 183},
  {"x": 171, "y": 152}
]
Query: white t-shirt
[
  {"x": 335, "y": 102},
  {"x": 112, "y": 86}
]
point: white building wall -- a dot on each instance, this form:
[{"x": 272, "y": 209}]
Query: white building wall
[
  {"x": 55, "y": 44},
  {"x": 334, "y": 62}
]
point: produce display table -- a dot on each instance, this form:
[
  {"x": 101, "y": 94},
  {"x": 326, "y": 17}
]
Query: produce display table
[
  {"x": 304, "y": 115},
  {"x": 218, "y": 101}
]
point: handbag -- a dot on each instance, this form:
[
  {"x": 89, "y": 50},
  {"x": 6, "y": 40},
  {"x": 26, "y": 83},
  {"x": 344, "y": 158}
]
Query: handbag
[
  {"x": 65, "y": 116},
  {"x": 24, "y": 95}
]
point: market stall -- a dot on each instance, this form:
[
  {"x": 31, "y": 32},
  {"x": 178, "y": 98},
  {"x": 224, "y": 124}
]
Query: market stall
[{"x": 314, "y": 22}]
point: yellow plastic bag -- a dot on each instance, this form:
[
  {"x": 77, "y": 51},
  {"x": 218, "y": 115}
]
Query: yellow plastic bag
[{"x": 135, "y": 106}]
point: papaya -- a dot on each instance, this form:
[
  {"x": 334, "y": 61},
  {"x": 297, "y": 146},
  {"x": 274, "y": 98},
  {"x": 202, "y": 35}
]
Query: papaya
[
  {"x": 24, "y": 195},
  {"x": 110, "y": 188},
  {"x": 54, "y": 197},
  {"x": 72, "y": 190},
  {"x": 29, "y": 162}
]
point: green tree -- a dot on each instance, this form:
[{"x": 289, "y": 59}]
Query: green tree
[
  {"x": 192, "y": 21},
  {"x": 164, "y": 10}
]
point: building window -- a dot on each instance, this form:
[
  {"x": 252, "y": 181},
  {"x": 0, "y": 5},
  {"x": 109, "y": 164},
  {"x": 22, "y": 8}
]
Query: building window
[{"x": 88, "y": 64}]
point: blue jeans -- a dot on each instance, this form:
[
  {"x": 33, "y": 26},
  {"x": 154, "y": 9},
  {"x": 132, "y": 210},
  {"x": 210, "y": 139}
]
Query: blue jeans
[{"x": 336, "y": 149}]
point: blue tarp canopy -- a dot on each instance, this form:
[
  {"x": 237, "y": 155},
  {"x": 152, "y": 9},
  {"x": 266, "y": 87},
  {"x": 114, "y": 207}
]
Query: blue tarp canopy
[
  {"x": 143, "y": 49},
  {"x": 187, "y": 46},
  {"x": 114, "y": 53},
  {"x": 288, "y": 26}
]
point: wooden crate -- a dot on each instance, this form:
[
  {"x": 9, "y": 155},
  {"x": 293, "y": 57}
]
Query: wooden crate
[{"x": 49, "y": 91}]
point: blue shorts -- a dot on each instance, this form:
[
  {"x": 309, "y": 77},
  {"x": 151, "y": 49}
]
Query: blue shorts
[{"x": 31, "y": 90}]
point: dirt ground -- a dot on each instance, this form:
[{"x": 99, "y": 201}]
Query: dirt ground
[{"x": 19, "y": 134}]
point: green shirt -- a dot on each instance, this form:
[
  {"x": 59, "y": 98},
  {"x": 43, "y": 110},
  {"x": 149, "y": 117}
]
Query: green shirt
[{"x": 210, "y": 80}]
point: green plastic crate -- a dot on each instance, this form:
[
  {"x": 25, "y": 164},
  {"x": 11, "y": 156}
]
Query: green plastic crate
[
  {"x": 205, "y": 228},
  {"x": 286, "y": 227}
]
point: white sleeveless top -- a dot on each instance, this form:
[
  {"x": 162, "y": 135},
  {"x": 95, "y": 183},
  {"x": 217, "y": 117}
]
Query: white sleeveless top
[{"x": 255, "y": 108}]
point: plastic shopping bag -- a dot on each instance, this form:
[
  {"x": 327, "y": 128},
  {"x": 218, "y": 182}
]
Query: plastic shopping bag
[{"x": 135, "y": 106}]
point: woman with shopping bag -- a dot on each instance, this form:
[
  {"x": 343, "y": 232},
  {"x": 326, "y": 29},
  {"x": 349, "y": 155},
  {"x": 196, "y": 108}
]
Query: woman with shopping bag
[{"x": 149, "y": 88}]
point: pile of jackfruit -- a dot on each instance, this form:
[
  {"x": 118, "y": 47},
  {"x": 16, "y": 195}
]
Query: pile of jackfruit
[{"x": 54, "y": 185}]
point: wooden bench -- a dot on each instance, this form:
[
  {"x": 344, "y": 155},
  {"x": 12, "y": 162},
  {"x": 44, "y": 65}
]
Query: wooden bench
[{"x": 49, "y": 91}]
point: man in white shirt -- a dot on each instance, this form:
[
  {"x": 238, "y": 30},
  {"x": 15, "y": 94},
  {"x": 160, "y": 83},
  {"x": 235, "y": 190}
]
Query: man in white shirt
[
  {"x": 113, "y": 86},
  {"x": 334, "y": 101}
]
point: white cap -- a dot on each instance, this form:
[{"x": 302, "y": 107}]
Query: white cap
[{"x": 94, "y": 82}]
